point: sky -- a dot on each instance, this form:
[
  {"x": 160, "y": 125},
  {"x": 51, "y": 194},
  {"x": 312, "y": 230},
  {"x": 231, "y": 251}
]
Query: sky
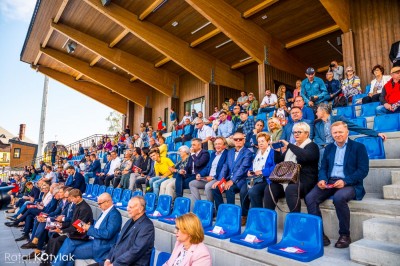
[{"x": 71, "y": 116}]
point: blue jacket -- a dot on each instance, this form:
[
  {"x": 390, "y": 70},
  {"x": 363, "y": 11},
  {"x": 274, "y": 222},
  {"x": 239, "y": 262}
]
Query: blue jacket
[
  {"x": 59, "y": 209},
  {"x": 287, "y": 130},
  {"x": 319, "y": 132},
  {"x": 95, "y": 167},
  {"x": 236, "y": 170},
  {"x": 355, "y": 165},
  {"x": 68, "y": 212},
  {"x": 269, "y": 164},
  {"x": 317, "y": 88},
  {"x": 78, "y": 181},
  {"x": 200, "y": 161},
  {"x": 206, "y": 170},
  {"x": 51, "y": 206},
  {"x": 308, "y": 114},
  {"x": 106, "y": 236}
]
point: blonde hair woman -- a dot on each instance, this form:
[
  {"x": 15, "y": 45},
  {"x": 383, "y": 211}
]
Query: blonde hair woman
[{"x": 274, "y": 129}]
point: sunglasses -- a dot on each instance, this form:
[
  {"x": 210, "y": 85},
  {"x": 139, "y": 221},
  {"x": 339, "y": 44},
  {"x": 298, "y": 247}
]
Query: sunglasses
[
  {"x": 297, "y": 132},
  {"x": 198, "y": 124},
  {"x": 239, "y": 139}
]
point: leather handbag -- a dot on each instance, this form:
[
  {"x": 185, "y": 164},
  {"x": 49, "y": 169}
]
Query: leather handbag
[
  {"x": 253, "y": 180},
  {"x": 286, "y": 172}
]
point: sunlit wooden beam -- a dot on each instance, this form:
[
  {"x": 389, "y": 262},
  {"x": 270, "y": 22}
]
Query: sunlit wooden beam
[
  {"x": 339, "y": 10},
  {"x": 312, "y": 36},
  {"x": 243, "y": 63},
  {"x": 95, "y": 60},
  {"x": 119, "y": 38},
  {"x": 133, "y": 79},
  {"x": 205, "y": 37},
  {"x": 162, "y": 62},
  {"x": 257, "y": 8},
  {"x": 150, "y": 9},
  {"x": 79, "y": 76}
]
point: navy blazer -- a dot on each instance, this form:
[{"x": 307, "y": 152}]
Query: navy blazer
[
  {"x": 287, "y": 130},
  {"x": 95, "y": 167},
  {"x": 134, "y": 247},
  {"x": 236, "y": 170},
  {"x": 200, "y": 161},
  {"x": 60, "y": 208},
  {"x": 78, "y": 181},
  {"x": 206, "y": 170},
  {"x": 355, "y": 165},
  {"x": 269, "y": 164},
  {"x": 106, "y": 236},
  {"x": 51, "y": 206}
]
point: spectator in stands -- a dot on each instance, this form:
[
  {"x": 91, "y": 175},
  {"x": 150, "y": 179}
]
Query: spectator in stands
[
  {"x": 144, "y": 136},
  {"x": 147, "y": 170},
  {"x": 205, "y": 133},
  {"x": 194, "y": 114},
  {"x": 344, "y": 166},
  {"x": 242, "y": 100},
  {"x": 297, "y": 90},
  {"x": 65, "y": 164},
  {"x": 50, "y": 177},
  {"x": 351, "y": 84},
  {"x": 60, "y": 174},
  {"x": 390, "y": 96},
  {"x": 161, "y": 169},
  {"x": 236, "y": 115},
  {"x": 161, "y": 126},
  {"x": 138, "y": 141},
  {"x": 333, "y": 86},
  {"x": 246, "y": 125},
  {"x": 78, "y": 181},
  {"x": 108, "y": 146},
  {"x": 115, "y": 164},
  {"x": 81, "y": 151},
  {"x": 207, "y": 176},
  {"x": 262, "y": 166},
  {"x": 53, "y": 153},
  {"x": 268, "y": 103},
  {"x": 233, "y": 174},
  {"x": 162, "y": 147},
  {"x": 140, "y": 160},
  {"x": 394, "y": 54},
  {"x": 152, "y": 143},
  {"x": 282, "y": 111},
  {"x": 231, "y": 104},
  {"x": 136, "y": 240},
  {"x": 252, "y": 107},
  {"x": 173, "y": 118},
  {"x": 187, "y": 132},
  {"x": 215, "y": 115},
  {"x": 124, "y": 170},
  {"x": 186, "y": 116},
  {"x": 70, "y": 155},
  {"x": 285, "y": 94},
  {"x": 274, "y": 129},
  {"x": 251, "y": 139},
  {"x": 313, "y": 89},
  {"x": 297, "y": 116},
  {"x": 93, "y": 169},
  {"x": 303, "y": 152},
  {"x": 336, "y": 69},
  {"x": 225, "y": 126},
  {"x": 189, "y": 248},
  {"x": 99, "y": 179},
  {"x": 200, "y": 116},
  {"x": 102, "y": 236},
  {"x": 307, "y": 112},
  {"x": 33, "y": 196},
  {"x": 129, "y": 175}
]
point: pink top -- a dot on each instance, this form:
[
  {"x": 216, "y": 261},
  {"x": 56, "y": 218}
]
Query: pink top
[
  {"x": 197, "y": 255},
  {"x": 296, "y": 92}
]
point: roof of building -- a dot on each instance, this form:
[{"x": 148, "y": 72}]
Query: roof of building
[{"x": 6, "y": 136}]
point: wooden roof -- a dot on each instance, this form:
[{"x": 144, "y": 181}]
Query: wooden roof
[{"x": 143, "y": 45}]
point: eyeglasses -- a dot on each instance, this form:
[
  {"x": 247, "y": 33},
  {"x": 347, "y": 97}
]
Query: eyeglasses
[
  {"x": 297, "y": 132},
  {"x": 238, "y": 139},
  {"x": 99, "y": 203},
  {"x": 198, "y": 124}
]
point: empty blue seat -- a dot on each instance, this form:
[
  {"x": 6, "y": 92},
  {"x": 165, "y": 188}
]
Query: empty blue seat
[
  {"x": 368, "y": 109},
  {"x": 358, "y": 96},
  {"x": 93, "y": 193},
  {"x": 302, "y": 234},
  {"x": 162, "y": 258},
  {"x": 228, "y": 220},
  {"x": 171, "y": 146},
  {"x": 116, "y": 197},
  {"x": 359, "y": 121},
  {"x": 261, "y": 116},
  {"x": 387, "y": 123},
  {"x": 177, "y": 145},
  {"x": 163, "y": 207},
  {"x": 188, "y": 143},
  {"x": 347, "y": 111},
  {"x": 172, "y": 156},
  {"x": 150, "y": 201},
  {"x": 181, "y": 206},
  {"x": 174, "y": 134},
  {"x": 179, "y": 133},
  {"x": 204, "y": 210},
  {"x": 110, "y": 190},
  {"x": 374, "y": 146},
  {"x": 126, "y": 196},
  {"x": 261, "y": 223},
  {"x": 101, "y": 190},
  {"x": 137, "y": 193},
  {"x": 88, "y": 189}
]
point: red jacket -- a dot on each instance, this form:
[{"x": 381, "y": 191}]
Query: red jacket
[{"x": 390, "y": 94}]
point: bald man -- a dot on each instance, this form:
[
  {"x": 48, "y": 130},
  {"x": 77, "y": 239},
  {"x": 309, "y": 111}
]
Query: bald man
[{"x": 103, "y": 235}]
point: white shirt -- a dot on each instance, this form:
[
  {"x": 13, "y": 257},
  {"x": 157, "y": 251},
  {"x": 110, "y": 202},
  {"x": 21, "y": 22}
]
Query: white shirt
[
  {"x": 103, "y": 215},
  {"x": 205, "y": 132},
  {"x": 114, "y": 165},
  {"x": 260, "y": 159},
  {"x": 138, "y": 143},
  {"x": 237, "y": 153},
  {"x": 272, "y": 99},
  {"x": 46, "y": 200},
  {"x": 184, "y": 118},
  {"x": 214, "y": 164},
  {"x": 52, "y": 177}
]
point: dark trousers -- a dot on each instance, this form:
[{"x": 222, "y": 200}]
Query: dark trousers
[
  {"x": 291, "y": 195},
  {"x": 341, "y": 197},
  {"x": 373, "y": 98},
  {"x": 108, "y": 179},
  {"x": 182, "y": 182},
  {"x": 253, "y": 196},
  {"x": 116, "y": 181},
  {"x": 230, "y": 196},
  {"x": 183, "y": 139},
  {"x": 28, "y": 224},
  {"x": 139, "y": 183},
  {"x": 53, "y": 247}
]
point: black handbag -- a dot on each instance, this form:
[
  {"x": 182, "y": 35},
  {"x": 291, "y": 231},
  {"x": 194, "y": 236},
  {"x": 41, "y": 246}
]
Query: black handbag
[{"x": 253, "y": 180}]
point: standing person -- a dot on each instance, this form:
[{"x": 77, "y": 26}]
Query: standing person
[
  {"x": 344, "y": 166},
  {"x": 173, "y": 118},
  {"x": 390, "y": 96},
  {"x": 313, "y": 89},
  {"x": 377, "y": 85},
  {"x": 189, "y": 248},
  {"x": 53, "y": 153},
  {"x": 337, "y": 70}
]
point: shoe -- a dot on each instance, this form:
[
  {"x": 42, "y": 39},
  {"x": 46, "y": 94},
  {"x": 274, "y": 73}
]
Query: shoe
[
  {"x": 10, "y": 211},
  {"x": 29, "y": 245},
  {"x": 244, "y": 220},
  {"x": 326, "y": 240},
  {"x": 21, "y": 225},
  {"x": 11, "y": 218},
  {"x": 32, "y": 255},
  {"x": 343, "y": 242},
  {"x": 11, "y": 224},
  {"x": 23, "y": 237}
]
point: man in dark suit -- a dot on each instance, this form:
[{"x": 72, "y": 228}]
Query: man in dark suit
[
  {"x": 394, "y": 54},
  {"x": 93, "y": 169},
  {"x": 136, "y": 240},
  {"x": 344, "y": 166},
  {"x": 78, "y": 181},
  {"x": 210, "y": 174},
  {"x": 234, "y": 172},
  {"x": 103, "y": 235},
  {"x": 297, "y": 116}
]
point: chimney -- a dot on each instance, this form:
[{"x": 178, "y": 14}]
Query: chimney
[{"x": 21, "y": 134}]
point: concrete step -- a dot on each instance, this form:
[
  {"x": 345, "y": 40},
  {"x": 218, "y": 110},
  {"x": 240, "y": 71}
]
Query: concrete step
[
  {"x": 382, "y": 229},
  {"x": 395, "y": 177},
  {"x": 372, "y": 252},
  {"x": 391, "y": 192}
]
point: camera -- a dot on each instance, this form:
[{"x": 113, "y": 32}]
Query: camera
[
  {"x": 332, "y": 65},
  {"x": 277, "y": 145}
]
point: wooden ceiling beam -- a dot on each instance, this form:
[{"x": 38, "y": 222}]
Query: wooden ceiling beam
[
  {"x": 150, "y": 9},
  {"x": 250, "y": 37},
  {"x": 197, "y": 62},
  {"x": 96, "y": 92},
  {"x": 80, "y": 75},
  {"x": 339, "y": 10},
  {"x": 162, "y": 62},
  {"x": 95, "y": 60},
  {"x": 135, "y": 92},
  {"x": 312, "y": 36},
  {"x": 119, "y": 38},
  {"x": 257, "y": 8},
  {"x": 205, "y": 37},
  {"x": 160, "y": 79},
  {"x": 243, "y": 63}
]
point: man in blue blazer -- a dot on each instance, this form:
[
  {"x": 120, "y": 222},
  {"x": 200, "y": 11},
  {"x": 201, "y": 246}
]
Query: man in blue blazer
[
  {"x": 136, "y": 240},
  {"x": 103, "y": 235},
  {"x": 200, "y": 156},
  {"x": 210, "y": 174},
  {"x": 93, "y": 169},
  {"x": 297, "y": 116},
  {"x": 344, "y": 166},
  {"x": 77, "y": 180},
  {"x": 234, "y": 171}
]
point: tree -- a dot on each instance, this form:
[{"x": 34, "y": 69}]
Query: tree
[{"x": 115, "y": 120}]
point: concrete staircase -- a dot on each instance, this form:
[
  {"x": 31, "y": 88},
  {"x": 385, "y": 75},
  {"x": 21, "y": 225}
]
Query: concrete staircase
[{"x": 393, "y": 191}]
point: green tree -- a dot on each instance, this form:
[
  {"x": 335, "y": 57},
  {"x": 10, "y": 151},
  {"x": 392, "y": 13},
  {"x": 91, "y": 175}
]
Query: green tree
[{"x": 115, "y": 120}]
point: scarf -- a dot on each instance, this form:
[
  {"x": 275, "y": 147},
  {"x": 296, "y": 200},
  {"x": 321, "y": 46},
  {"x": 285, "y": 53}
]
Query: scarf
[{"x": 290, "y": 156}]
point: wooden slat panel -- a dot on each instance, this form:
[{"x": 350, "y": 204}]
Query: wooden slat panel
[
  {"x": 273, "y": 74},
  {"x": 160, "y": 101},
  {"x": 190, "y": 88},
  {"x": 137, "y": 118}
]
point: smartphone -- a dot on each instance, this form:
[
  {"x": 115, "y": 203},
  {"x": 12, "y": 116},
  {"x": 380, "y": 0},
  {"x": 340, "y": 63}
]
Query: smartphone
[{"x": 277, "y": 145}]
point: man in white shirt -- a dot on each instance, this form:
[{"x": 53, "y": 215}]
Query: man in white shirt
[
  {"x": 115, "y": 163},
  {"x": 205, "y": 133},
  {"x": 187, "y": 115},
  {"x": 268, "y": 103},
  {"x": 50, "y": 176},
  {"x": 138, "y": 141}
]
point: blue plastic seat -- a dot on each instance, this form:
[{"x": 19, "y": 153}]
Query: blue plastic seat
[
  {"x": 347, "y": 111},
  {"x": 188, "y": 143},
  {"x": 93, "y": 193},
  {"x": 126, "y": 196},
  {"x": 261, "y": 116},
  {"x": 162, "y": 258},
  {"x": 228, "y": 218},
  {"x": 303, "y": 231},
  {"x": 177, "y": 146},
  {"x": 261, "y": 223},
  {"x": 137, "y": 193},
  {"x": 110, "y": 190},
  {"x": 179, "y": 133},
  {"x": 367, "y": 88},
  {"x": 88, "y": 189},
  {"x": 374, "y": 146},
  {"x": 116, "y": 197},
  {"x": 172, "y": 156},
  {"x": 150, "y": 201},
  {"x": 387, "y": 123},
  {"x": 204, "y": 210},
  {"x": 359, "y": 121},
  {"x": 101, "y": 190},
  {"x": 368, "y": 109},
  {"x": 174, "y": 134},
  {"x": 171, "y": 146},
  {"x": 153, "y": 254},
  {"x": 356, "y": 97},
  {"x": 181, "y": 206},
  {"x": 163, "y": 207}
]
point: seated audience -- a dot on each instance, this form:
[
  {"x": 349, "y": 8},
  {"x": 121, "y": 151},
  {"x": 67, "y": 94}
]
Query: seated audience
[
  {"x": 394, "y": 54},
  {"x": 231, "y": 104},
  {"x": 77, "y": 180},
  {"x": 351, "y": 84},
  {"x": 144, "y": 169},
  {"x": 333, "y": 86},
  {"x": 50, "y": 177},
  {"x": 93, "y": 169},
  {"x": 336, "y": 69},
  {"x": 390, "y": 96},
  {"x": 268, "y": 103},
  {"x": 161, "y": 127},
  {"x": 303, "y": 152},
  {"x": 161, "y": 169},
  {"x": 123, "y": 172},
  {"x": 187, "y": 132},
  {"x": 186, "y": 116},
  {"x": 215, "y": 114},
  {"x": 251, "y": 139},
  {"x": 114, "y": 164},
  {"x": 31, "y": 198},
  {"x": 246, "y": 124},
  {"x": 344, "y": 166},
  {"x": 242, "y": 100},
  {"x": 313, "y": 89},
  {"x": 376, "y": 85},
  {"x": 297, "y": 116},
  {"x": 138, "y": 143},
  {"x": 285, "y": 94},
  {"x": 104, "y": 171},
  {"x": 194, "y": 114},
  {"x": 297, "y": 90},
  {"x": 252, "y": 107},
  {"x": 162, "y": 147},
  {"x": 189, "y": 249},
  {"x": 152, "y": 143},
  {"x": 205, "y": 133},
  {"x": 225, "y": 126},
  {"x": 236, "y": 115},
  {"x": 307, "y": 112},
  {"x": 282, "y": 112}
]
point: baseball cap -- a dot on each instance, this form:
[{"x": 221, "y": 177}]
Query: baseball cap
[
  {"x": 310, "y": 71},
  {"x": 394, "y": 69},
  {"x": 243, "y": 112}
]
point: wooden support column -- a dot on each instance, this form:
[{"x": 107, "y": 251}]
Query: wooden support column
[
  {"x": 130, "y": 114},
  {"x": 148, "y": 112},
  {"x": 261, "y": 81},
  {"x": 348, "y": 50}
]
